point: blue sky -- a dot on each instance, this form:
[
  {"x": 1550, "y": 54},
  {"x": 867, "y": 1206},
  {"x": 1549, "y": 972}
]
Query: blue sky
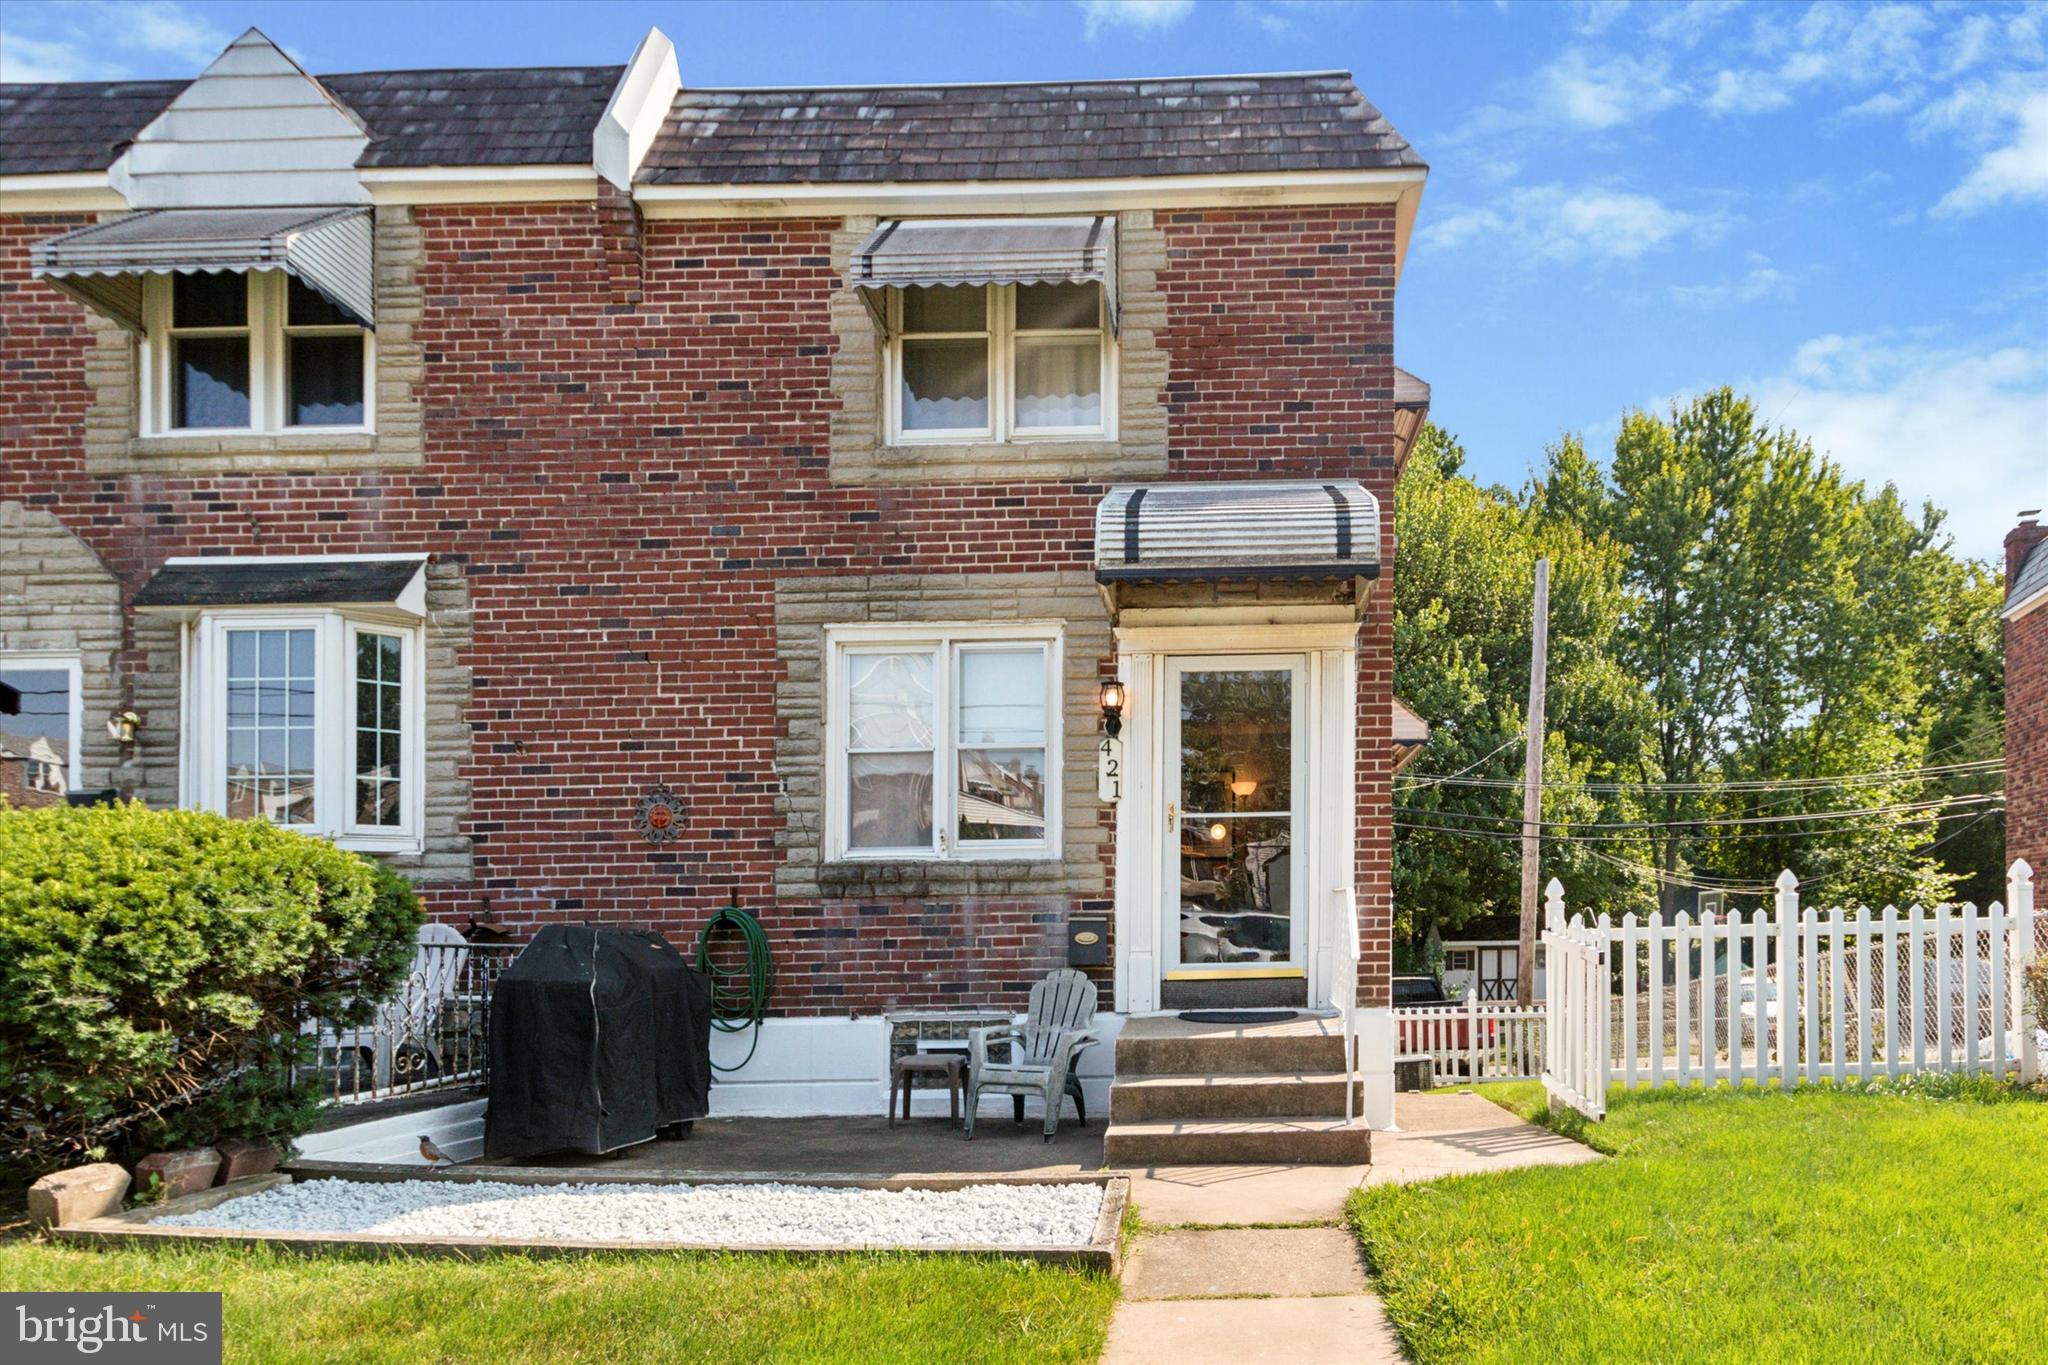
[{"x": 1842, "y": 209}]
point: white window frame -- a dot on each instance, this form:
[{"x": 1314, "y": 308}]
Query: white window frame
[
  {"x": 203, "y": 765},
  {"x": 946, "y": 643},
  {"x": 268, "y": 328},
  {"x": 999, "y": 302},
  {"x": 73, "y": 667}
]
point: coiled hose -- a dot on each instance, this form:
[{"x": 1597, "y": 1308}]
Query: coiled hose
[{"x": 736, "y": 1007}]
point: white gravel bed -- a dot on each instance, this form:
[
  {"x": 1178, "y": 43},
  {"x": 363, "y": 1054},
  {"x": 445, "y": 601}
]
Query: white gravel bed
[{"x": 772, "y": 1214}]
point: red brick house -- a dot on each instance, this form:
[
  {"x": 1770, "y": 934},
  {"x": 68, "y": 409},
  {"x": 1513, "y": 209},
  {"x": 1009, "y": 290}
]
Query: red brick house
[
  {"x": 2026, "y": 693},
  {"x": 443, "y": 461}
]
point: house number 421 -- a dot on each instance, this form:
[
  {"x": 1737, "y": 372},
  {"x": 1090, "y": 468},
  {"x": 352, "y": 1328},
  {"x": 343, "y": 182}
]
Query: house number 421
[{"x": 1109, "y": 770}]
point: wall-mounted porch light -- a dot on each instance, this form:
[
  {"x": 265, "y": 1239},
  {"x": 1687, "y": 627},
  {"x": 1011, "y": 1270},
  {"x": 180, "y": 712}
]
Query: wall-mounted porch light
[
  {"x": 1111, "y": 696},
  {"x": 122, "y": 725}
]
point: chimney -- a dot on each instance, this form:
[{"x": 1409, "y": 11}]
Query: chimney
[{"x": 2021, "y": 539}]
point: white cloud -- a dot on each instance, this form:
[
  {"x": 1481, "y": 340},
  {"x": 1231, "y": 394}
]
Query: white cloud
[
  {"x": 1550, "y": 224},
  {"x": 1958, "y": 427},
  {"x": 165, "y": 27},
  {"x": 23, "y": 58},
  {"x": 106, "y": 42},
  {"x": 2016, "y": 171},
  {"x": 1760, "y": 282},
  {"x": 1596, "y": 92},
  {"x": 1141, "y": 16},
  {"x": 1747, "y": 92}
]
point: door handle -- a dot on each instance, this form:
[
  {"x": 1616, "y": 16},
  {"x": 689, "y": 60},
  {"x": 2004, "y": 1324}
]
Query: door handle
[{"x": 1172, "y": 812}]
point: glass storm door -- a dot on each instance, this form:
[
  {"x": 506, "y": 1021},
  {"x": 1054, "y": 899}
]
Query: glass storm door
[{"x": 1233, "y": 787}]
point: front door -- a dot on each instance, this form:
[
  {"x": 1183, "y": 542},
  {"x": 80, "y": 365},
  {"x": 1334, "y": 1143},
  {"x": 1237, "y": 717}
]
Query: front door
[{"x": 1236, "y": 875}]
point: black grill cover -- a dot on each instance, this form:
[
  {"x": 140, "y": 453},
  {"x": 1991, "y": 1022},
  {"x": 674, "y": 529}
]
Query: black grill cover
[{"x": 598, "y": 1037}]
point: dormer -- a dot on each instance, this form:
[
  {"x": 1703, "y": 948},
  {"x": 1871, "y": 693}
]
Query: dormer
[{"x": 253, "y": 129}]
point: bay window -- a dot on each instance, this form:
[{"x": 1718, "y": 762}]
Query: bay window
[
  {"x": 943, "y": 742},
  {"x": 999, "y": 362},
  {"x": 308, "y": 719}
]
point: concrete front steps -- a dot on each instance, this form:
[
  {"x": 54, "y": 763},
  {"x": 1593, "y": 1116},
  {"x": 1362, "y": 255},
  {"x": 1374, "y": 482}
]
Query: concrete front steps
[{"x": 1203, "y": 1094}]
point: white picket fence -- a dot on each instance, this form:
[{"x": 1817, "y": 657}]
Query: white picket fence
[
  {"x": 1797, "y": 996},
  {"x": 1478, "y": 1040}
]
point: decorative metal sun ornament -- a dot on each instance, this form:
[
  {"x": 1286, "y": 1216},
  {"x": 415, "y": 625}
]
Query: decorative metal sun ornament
[{"x": 659, "y": 817}]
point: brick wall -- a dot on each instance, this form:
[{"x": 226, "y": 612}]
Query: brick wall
[
  {"x": 2026, "y": 719},
  {"x": 623, "y": 459}
]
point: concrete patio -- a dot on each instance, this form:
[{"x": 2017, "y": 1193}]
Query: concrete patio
[{"x": 1438, "y": 1135}]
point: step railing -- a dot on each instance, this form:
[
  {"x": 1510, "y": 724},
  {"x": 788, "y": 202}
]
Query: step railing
[{"x": 1344, "y": 989}]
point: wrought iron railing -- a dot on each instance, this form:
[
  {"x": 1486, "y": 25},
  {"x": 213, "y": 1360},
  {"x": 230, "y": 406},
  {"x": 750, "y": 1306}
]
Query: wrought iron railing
[{"x": 432, "y": 1033}]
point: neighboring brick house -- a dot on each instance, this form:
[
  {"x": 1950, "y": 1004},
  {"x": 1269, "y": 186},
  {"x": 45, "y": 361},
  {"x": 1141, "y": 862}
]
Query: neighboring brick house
[
  {"x": 446, "y": 459},
  {"x": 2026, "y": 693}
]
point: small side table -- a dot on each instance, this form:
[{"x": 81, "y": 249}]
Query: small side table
[{"x": 904, "y": 1069}]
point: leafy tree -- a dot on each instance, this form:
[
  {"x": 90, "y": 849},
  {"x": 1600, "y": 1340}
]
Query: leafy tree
[{"x": 1736, "y": 628}]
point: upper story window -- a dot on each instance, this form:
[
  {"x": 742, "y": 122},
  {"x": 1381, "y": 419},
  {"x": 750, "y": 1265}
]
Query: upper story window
[
  {"x": 999, "y": 362},
  {"x": 254, "y": 352}
]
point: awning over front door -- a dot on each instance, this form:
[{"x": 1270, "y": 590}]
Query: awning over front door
[
  {"x": 906, "y": 252},
  {"x": 103, "y": 266},
  {"x": 1193, "y": 532}
]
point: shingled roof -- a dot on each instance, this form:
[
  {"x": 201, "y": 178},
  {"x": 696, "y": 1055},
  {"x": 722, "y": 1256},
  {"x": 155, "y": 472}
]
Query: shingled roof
[
  {"x": 546, "y": 116},
  {"x": 2032, "y": 578},
  {"x": 536, "y": 116},
  {"x": 75, "y": 125},
  {"x": 1094, "y": 129}
]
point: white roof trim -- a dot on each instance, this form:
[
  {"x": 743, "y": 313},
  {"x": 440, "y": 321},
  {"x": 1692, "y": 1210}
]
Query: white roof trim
[
  {"x": 1399, "y": 186},
  {"x": 2025, "y": 606},
  {"x": 639, "y": 106}
]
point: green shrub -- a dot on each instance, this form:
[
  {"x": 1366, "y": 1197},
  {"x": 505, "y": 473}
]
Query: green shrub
[
  {"x": 155, "y": 967},
  {"x": 2037, "y": 989}
]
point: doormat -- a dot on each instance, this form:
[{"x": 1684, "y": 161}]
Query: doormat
[{"x": 1238, "y": 1016}]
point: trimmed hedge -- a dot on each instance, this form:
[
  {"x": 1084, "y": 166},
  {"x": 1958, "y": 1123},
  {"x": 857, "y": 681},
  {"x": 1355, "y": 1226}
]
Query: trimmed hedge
[{"x": 155, "y": 966}]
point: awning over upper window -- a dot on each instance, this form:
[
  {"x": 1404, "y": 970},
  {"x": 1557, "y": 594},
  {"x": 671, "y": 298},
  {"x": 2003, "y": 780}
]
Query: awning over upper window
[
  {"x": 102, "y": 266},
  {"x": 905, "y": 252},
  {"x": 184, "y": 586},
  {"x": 1181, "y": 532}
]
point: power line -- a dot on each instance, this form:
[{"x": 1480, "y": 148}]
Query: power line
[
  {"x": 1729, "y": 822},
  {"x": 1513, "y": 837},
  {"x": 1458, "y": 779},
  {"x": 1509, "y": 742}
]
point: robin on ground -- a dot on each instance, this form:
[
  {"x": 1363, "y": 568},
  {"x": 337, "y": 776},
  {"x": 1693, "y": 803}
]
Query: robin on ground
[{"x": 434, "y": 1155}]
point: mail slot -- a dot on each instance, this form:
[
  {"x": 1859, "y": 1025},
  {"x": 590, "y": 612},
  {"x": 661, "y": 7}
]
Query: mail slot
[{"x": 1088, "y": 941}]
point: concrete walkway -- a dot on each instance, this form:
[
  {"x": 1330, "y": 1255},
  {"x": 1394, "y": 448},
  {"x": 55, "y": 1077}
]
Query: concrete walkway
[{"x": 1207, "y": 1287}]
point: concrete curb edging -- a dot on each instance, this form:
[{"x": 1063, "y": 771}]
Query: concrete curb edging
[{"x": 1103, "y": 1252}]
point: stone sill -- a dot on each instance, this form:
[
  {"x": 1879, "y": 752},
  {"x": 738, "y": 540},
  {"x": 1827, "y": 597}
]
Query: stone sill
[
  {"x": 1089, "y": 460},
  {"x": 255, "y": 453}
]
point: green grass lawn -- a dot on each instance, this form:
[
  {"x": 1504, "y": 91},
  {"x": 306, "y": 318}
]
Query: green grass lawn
[
  {"x": 1814, "y": 1225},
  {"x": 682, "y": 1307}
]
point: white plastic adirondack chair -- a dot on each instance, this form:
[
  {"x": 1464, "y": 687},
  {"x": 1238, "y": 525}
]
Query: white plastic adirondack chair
[
  {"x": 1042, "y": 1049},
  {"x": 409, "y": 1015}
]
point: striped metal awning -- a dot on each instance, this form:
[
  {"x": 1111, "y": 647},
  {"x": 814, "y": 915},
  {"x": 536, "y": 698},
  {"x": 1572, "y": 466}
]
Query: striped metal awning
[
  {"x": 906, "y": 252},
  {"x": 1183, "y": 532},
  {"x": 103, "y": 266}
]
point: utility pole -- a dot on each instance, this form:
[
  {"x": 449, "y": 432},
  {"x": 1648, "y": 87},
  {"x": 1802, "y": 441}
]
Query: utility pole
[{"x": 1532, "y": 789}]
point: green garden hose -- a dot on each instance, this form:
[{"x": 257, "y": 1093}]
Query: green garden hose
[{"x": 735, "y": 1007}]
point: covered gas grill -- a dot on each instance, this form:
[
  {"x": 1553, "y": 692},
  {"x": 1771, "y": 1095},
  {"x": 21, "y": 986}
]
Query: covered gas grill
[{"x": 599, "y": 1037}]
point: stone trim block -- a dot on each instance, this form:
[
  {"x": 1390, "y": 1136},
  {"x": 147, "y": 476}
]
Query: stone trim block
[
  {"x": 112, "y": 420},
  {"x": 859, "y": 454},
  {"x": 804, "y": 607}
]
